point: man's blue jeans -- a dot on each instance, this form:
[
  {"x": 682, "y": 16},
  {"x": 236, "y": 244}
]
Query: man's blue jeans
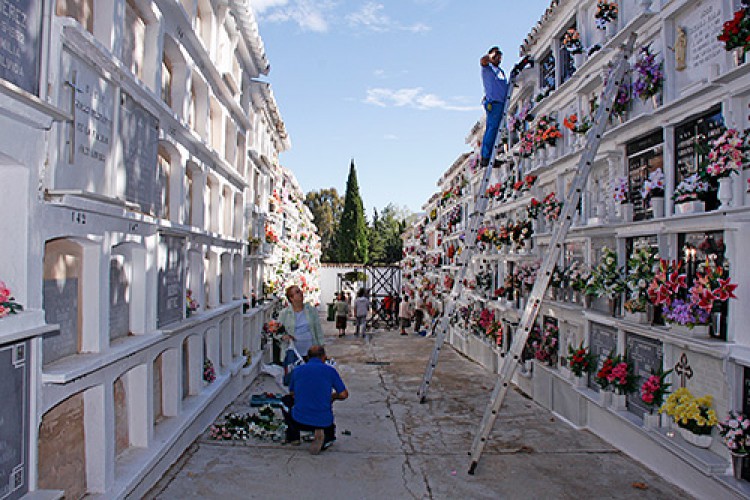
[{"x": 494, "y": 110}]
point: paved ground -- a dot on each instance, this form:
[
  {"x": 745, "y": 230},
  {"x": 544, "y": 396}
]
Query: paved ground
[{"x": 398, "y": 448}]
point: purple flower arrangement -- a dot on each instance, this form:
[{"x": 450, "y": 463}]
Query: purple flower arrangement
[
  {"x": 649, "y": 77},
  {"x": 685, "y": 313}
]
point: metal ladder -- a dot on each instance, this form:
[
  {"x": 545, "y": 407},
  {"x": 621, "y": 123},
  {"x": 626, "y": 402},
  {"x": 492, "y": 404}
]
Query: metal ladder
[
  {"x": 475, "y": 219},
  {"x": 559, "y": 233}
]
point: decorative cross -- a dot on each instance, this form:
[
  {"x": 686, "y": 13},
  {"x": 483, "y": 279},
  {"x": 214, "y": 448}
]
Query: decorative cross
[{"x": 683, "y": 369}]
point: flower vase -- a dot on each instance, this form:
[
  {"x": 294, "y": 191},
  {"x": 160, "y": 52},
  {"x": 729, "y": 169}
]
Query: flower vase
[
  {"x": 654, "y": 101},
  {"x": 578, "y": 60},
  {"x": 650, "y": 314},
  {"x": 611, "y": 29},
  {"x": 626, "y": 211},
  {"x": 619, "y": 402},
  {"x": 699, "y": 440},
  {"x": 738, "y": 460},
  {"x": 690, "y": 207},
  {"x": 715, "y": 324},
  {"x": 657, "y": 207},
  {"x": 637, "y": 317},
  {"x": 586, "y": 301},
  {"x": 738, "y": 55},
  {"x": 651, "y": 421},
  {"x": 696, "y": 332},
  {"x": 725, "y": 192},
  {"x": 581, "y": 382},
  {"x": 605, "y": 397},
  {"x": 614, "y": 306}
]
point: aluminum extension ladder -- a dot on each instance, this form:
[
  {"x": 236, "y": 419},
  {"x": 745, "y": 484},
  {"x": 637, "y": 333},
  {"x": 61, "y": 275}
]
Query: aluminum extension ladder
[
  {"x": 618, "y": 71},
  {"x": 475, "y": 219}
]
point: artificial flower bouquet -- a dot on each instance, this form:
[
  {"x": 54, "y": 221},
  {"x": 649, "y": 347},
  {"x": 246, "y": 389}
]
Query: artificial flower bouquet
[
  {"x": 649, "y": 75},
  {"x": 575, "y": 125},
  {"x": 209, "y": 374},
  {"x": 191, "y": 305},
  {"x": 8, "y": 304},
  {"x": 606, "y": 12},
  {"x": 735, "y": 431},
  {"x": 578, "y": 276},
  {"x": 547, "y": 132},
  {"x": 581, "y": 360},
  {"x": 534, "y": 209},
  {"x": 653, "y": 186},
  {"x": 571, "y": 40},
  {"x": 606, "y": 279},
  {"x": 552, "y": 207},
  {"x": 620, "y": 375},
  {"x": 655, "y": 389},
  {"x": 545, "y": 349},
  {"x": 621, "y": 190},
  {"x": 692, "y": 188},
  {"x": 642, "y": 266},
  {"x": 689, "y": 412},
  {"x": 728, "y": 154},
  {"x": 735, "y": 33}
]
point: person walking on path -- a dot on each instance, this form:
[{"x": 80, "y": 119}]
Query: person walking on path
[
  {"x": 301, "y": 322},
  {"x": 342, "y": 313},
  {"x": 404, "y": 314},
  {"x": 495, "y": 89},
  {"x": 361, "y": 308},
  {"x": 313, "y": 389},
  {"x": 418, "y": 315}
]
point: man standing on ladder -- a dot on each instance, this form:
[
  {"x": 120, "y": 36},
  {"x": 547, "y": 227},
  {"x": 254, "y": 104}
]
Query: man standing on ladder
[{"x": 495, "y": 90}]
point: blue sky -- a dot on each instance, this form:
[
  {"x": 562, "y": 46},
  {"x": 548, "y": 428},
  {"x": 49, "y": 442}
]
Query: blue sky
[{"x": 393, "y": 84}]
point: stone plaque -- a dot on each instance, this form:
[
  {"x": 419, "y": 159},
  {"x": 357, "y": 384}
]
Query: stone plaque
[
  {"x": 119, "y": 303},
  {"x": 702, "y": 23},
  {"x": 61, "y": 307},
  {"x": 14, "y": 420},
  {"x": 603, "y": 341},
  {"x": 20, "y": 43},
  {"x": 139, "y": 132},
  {"x": 646, "y": 355},
  {"x": 86, "y": 144},
  {"x": 171, "y": 305}
]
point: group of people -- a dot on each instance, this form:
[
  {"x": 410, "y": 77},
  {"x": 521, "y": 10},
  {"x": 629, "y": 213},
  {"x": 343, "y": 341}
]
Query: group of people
[{"x": 396, "y": 310}]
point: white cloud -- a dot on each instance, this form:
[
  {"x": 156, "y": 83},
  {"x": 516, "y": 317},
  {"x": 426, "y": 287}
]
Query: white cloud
[
  {"x": 390, "y": 137},
  {"x": 309, "y": 15},
  {"x": 412, "y": 98},
  {"x": 371, "y": 17}
]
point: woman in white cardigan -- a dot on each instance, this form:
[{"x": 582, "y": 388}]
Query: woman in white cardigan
[{"x": 301, "y": 322}]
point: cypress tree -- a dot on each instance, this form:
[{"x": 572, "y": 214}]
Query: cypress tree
[{"x": 352, "y": 235}]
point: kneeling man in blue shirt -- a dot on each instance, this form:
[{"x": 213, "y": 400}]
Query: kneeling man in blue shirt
[{"x": 314, "y": 387}]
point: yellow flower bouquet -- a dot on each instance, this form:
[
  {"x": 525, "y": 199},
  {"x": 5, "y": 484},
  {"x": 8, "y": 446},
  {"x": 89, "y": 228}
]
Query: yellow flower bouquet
[{"x": 691, "y": 413}]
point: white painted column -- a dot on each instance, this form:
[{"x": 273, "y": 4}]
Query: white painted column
[
  {"x": 139, "y": 397},
  {"x": 94, "y": 307},
  {"x": 99, "y": 432}
]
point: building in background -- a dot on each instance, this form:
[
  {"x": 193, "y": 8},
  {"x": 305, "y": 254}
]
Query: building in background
[{"x": 139, "y": 157}]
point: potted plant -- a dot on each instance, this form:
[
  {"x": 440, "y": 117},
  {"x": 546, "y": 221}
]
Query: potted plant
[
  {"x": 735, "y": 431},
  {"x": 642, "y": 266},
  {"x": 649, "y": 77},
  {"x": 688, "y": 195},
  {"x": 581, "y": 362},
  {"x": 694, "y": 416},
  {"x": 653, "y": 392}
]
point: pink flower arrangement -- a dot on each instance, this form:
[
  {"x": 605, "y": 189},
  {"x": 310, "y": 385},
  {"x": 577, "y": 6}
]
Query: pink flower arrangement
[
  {"x": 621, "y": 190},
  {"x": 8, "y": 305},
  {"x": 654, "y": 389},
  {"x": 622, "y": 377},
  {"x": 735, "y": 431},
  {"x": 552, "y": 207},
  {"x": 726, "y": 156}
]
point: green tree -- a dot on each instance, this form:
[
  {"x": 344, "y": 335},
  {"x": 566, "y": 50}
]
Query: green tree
[
  {"x": 376, "y": 240},
  {"x": 393, "y": 221},
  {"x": 326, "y": 206},
  {"x": 351, "y": 238}
]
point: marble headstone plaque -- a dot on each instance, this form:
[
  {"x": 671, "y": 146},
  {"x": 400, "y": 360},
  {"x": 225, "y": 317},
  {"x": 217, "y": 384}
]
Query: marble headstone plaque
[
  {"x": 119, "y": 306},
  {"x": 61, "y": 307},
  {"x": 14, "y": 418},
  {"x": 702, "y": 22},
  {"x": 603, "y": 341},
  {"x": 20, "y": 43},
  {"x": 171, "y": 304},
  {"x": 646, "y": 355},
  {"x": 139, "y": 132}
]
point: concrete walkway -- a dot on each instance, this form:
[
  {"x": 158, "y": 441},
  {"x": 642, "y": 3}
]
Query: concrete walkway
[{"x": 397, "y": 448}]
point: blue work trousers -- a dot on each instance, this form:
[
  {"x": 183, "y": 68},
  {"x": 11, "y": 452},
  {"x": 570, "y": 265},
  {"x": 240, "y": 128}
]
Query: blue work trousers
[{"x": 494, "y": 110}]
